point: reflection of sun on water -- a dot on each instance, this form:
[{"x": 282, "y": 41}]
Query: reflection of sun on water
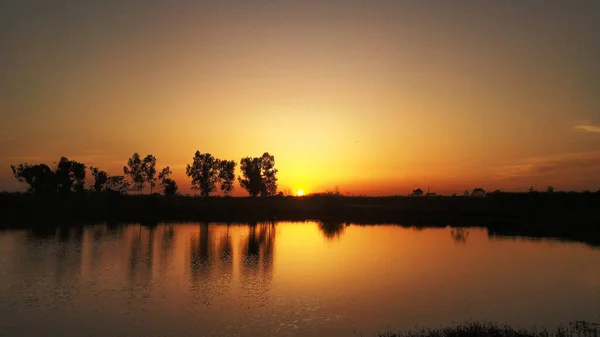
[{"x": 300, "y": 193}]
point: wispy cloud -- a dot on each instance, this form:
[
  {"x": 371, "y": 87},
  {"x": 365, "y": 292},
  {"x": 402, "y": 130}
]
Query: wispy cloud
[
  {"x": 587, "y": 128},
  {"x": 564, "y": 163}
]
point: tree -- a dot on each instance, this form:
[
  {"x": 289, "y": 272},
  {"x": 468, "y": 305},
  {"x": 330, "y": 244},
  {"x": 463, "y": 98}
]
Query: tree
[
  {"x": 259, "y": 175},
  {"x": 169, "y": 185},
  {"x": 478, "y": 192},
  {"x": 164, "y": 174},
  {"x": 417, "y": 193},
  {"x": 466, "y": 194},
  {"x": 333, "y": 192},
  {"x": 251, "y": 171},
  {"x": 227, "y": 175},
  {"x": 204, "y": 172},
  {"x": 116, "y": 184},
  {"x": 135, "y": 171},
  {"x": 100, "y": 178},
  {"x": 287, "y": 192},
  {"x": 70, "y": 176},
  {"x": 149, "y": 171},
  {"x": 550, "y": 189},
  {"x": 269, "y": 175},
  {"x": 531, "y": 190},
  {"x": 40, "y": 178}
]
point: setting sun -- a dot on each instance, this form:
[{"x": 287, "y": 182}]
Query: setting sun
[{"x": 300, "y": 193}]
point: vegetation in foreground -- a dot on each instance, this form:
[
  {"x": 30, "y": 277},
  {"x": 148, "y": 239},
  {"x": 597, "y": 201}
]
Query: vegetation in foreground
[{"x": 475, "y": 329}]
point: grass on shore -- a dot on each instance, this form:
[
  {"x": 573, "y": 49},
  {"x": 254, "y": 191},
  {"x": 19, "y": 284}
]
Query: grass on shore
[{"x": 476, "y": 329}]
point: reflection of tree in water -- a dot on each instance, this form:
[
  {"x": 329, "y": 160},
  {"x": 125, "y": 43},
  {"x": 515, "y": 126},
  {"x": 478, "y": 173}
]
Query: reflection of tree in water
[
  {"x": 41, "y": 233},
  {"x": 332, "y": 229},
  {"x": 459, "y": 234},
  {"x": 257, "y": 263},
  {"x": 200, "y": 254},
  {"x": 226, "y": 248},
  {"x": 97, "y": 235},
  {"x": 66, "y": 241},
  {"x": 52, "y": 252},
  {"x": 73, "y": 234},
  {"x": 115, "y": 228},
  {"x": 140, "y": 256},
  {"x": 260, "y": 244},
  {"x": 150, "y": 225},
  {"x": 168, "y": 236},
  {"x": 68, "y": 250},
  {"x": 204, "y": 286}
]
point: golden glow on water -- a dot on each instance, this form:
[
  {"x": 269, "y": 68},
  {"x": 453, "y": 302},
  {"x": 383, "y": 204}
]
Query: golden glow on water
[{"x": 287, "y": 277}]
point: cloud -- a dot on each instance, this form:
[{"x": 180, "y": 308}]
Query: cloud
[
  {"x": 562, "y": 164},
  {"x": 587, "y": 128}
]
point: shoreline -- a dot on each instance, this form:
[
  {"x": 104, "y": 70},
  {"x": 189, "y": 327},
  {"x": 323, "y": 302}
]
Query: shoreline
[
  {"x": 569, "y": 216},
  {"x": 471, "y": 329}
]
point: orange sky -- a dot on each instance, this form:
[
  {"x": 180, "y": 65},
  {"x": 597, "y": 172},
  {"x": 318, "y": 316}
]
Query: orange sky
[{"x": 375, "y": 97}]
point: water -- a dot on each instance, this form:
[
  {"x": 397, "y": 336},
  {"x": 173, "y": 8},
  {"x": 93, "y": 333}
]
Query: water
[{"x": 285, "y": 279}]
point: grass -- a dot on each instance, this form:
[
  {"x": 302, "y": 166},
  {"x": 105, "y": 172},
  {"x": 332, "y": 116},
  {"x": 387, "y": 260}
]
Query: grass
[{"x": 476, "y": 329}]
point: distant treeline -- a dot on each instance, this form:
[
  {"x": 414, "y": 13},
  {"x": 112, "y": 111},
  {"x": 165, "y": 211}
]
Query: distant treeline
[
  {"x": 259, "y": 176},
  {"x": 207, "y": 173}
]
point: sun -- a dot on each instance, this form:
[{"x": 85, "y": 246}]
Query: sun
[{"x": 300, "y": 193}]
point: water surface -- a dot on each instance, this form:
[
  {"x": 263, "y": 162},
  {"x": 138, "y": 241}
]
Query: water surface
[{"x": 285, "y": 279}]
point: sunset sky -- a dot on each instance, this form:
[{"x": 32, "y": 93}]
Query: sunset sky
[{"x": 376, "y": 97}]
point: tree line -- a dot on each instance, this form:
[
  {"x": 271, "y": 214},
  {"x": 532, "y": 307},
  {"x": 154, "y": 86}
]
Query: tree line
[
  {"x": 207, "y": 173},
  {"x": 477, "y": 192}
]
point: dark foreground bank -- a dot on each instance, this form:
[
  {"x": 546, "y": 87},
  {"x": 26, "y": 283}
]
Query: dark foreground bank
[
  {"x": 474, "y": 329},
  {"x": 570, "y": 216}
]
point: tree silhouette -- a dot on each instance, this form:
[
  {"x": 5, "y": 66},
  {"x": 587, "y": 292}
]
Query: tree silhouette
[
  {"x": 259, "y": 175},
  {"x": 227, "y": 175},
  {"x": 204, "y": 172},
  {"x": 269, "y": 175},
  {"x": 466, "y": 194},
  {"x": 70, "y": 176},
  {"x": 550, "y": 189},
  {"x": 417, "y": 193},
  {"x": 100, "y": 178},
  {"x": 40, "y": 178},
  {"x": 116, "y": 184},
  {"x": 251, "y": 170},
  {"x": 149, "y": 171},
  {"x": 478, "y": 192},
  {"x": 164, "y": 174},
  {"x": 169, "y": 185},
  {"x": 135, "y": 171}
]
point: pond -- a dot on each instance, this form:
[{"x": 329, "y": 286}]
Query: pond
[{"x": 292, "y": 278}]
